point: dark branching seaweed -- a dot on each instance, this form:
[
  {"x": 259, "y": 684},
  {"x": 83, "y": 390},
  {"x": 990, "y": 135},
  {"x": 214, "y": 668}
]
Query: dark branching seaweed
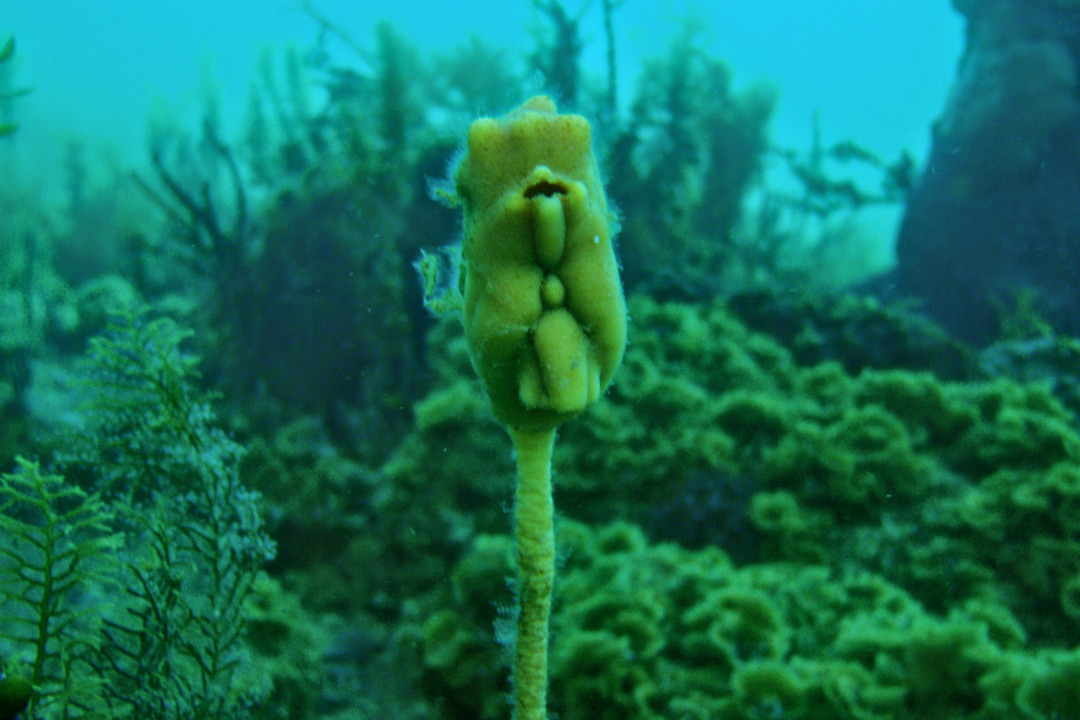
[
  {"x": 680, "y": 167},
  {"x": 823, "y": 193},
  {"x": 212, "y": 211},
  {"x": 7, "y": 91},
  {"x": 558, "y": 58}
]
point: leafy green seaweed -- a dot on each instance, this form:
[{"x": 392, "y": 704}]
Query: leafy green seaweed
[
  {"x": 53, "y": 536},
  {"x": 197, "y": 540},
  {"x": 126, "y": 583}
]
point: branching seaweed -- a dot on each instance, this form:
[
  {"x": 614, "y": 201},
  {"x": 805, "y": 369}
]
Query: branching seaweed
[
  {"x": 53, "y": 536},
  {"x": 151, "y": 627},
  {"x": 559, "y": 57},
  {"x": 7, "y": 91},
  {"x": 196, "y": 538}
]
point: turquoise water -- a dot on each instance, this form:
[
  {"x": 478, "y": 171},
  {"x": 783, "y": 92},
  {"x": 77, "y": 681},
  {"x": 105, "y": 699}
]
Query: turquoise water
[{"x": 878, "y": 71}]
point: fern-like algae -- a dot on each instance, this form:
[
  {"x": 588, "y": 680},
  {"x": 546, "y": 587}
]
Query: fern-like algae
[
  {"x": 152, "y": 627},
  {"x": 545, "y": 322},
  {"x": 196, "y": 542},
  {"x": 54, "y": 539}
]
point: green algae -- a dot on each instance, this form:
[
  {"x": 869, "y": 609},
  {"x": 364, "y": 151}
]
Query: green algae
[{"x": 916, "y": 539}]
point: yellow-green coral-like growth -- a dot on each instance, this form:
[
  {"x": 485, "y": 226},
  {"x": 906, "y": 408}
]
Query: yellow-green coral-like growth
[
  {"x": 544, "y": 312},
  {"x": 545, "y": 322}
]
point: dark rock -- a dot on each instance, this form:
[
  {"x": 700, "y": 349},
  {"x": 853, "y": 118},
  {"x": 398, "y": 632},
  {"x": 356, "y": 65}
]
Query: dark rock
[{"x": 996, "y": 214}]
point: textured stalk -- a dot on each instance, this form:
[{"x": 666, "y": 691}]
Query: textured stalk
[{"x": 533, "y": 518}]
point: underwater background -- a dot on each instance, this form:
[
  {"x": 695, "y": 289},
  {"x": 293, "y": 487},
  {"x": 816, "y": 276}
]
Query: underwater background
[{"x": 247, "y": 474}]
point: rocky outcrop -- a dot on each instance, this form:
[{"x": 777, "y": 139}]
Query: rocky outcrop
[{"x": 993, "y": 226}]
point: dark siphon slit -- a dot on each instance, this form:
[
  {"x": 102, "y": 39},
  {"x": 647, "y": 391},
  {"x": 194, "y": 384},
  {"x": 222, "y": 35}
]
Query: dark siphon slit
[{"x": 545, "y": 188}]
